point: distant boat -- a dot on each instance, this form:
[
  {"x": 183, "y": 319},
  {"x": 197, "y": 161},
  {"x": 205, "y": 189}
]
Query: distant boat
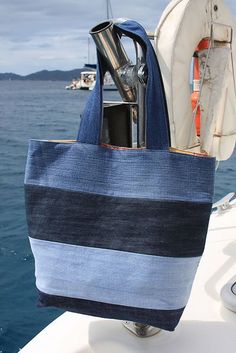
[
  {"x": 86, "y": 81},
  {"x": 108, "y": 85}
]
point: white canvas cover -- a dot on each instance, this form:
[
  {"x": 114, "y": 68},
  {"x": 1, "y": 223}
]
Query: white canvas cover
[{"x": 182, "y": 26}]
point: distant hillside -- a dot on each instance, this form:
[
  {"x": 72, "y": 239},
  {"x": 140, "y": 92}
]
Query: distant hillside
[
  {"x": 56, "y": 75},
  {"x": 9, "y": 76},
  {"x": 45, "y": 75}
]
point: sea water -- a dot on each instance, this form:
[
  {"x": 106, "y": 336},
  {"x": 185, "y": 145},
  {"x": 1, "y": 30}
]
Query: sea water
[{"x": 40, "y": 110}]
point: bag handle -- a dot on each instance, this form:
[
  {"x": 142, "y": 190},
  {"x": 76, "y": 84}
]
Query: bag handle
[{"x": 157, "y": 126}]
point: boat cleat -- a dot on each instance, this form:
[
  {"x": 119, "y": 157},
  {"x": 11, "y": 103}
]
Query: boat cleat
[
  {"x": 225, "y": 203},
  {"x": 228, "y": 294}
]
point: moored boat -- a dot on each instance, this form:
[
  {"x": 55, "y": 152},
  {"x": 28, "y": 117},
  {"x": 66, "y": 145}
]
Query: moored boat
[
  {"x": 108, "y": 83},
  {"x": 85, "y": 82}
]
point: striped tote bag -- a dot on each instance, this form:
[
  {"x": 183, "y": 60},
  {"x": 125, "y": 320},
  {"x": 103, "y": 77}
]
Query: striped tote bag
[{"x": 118, "y": 233}]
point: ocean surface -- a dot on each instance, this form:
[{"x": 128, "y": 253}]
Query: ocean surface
[{"x": 43, "y": 110}]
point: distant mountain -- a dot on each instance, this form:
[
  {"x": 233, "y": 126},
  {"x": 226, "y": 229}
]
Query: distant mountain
[
  {"x": 10, "y": 76},
  {"x": 56, "y": 75},
  {"x": 45, "y": 75}
]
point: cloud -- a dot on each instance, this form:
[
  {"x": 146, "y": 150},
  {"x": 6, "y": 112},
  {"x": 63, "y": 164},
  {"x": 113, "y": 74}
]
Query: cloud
[
  {"x": 53, "y": 34},
  {"x": 31, "y": 31}
]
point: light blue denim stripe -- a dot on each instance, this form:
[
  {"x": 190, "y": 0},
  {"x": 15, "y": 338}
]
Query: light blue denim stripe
[
  {"x": 114, "y": 277},
  {"x": 158, "y": 175}
]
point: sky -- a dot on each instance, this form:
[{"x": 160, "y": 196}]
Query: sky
[{"x": 54, "y": 34}]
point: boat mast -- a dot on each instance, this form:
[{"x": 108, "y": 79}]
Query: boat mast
[
  {"x": 109, "y": 13},
  {"x": 107, "y": 9},
  {"x": 88, "y": 50}
]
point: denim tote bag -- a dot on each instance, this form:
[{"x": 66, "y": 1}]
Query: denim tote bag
[{"x": 118, "y": 233}]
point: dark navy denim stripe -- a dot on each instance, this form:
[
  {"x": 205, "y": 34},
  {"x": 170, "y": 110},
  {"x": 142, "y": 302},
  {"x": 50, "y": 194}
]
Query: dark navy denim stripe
[
  {"x": 162, "y": 228},
  {"x": 164, "y": 319}
]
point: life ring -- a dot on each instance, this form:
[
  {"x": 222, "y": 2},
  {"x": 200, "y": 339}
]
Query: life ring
[
  {"x": 195, "y": 96},
  {"x": 182, "y": 26}
]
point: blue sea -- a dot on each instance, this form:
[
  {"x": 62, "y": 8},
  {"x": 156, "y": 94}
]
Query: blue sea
[{"x": 44, "y": 110}]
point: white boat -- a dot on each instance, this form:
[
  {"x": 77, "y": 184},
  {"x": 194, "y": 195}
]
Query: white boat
[
  {"x": 85, "y": 82},
  {"x": 209, "y": 320},
  {"x": 108, "y": 84},
  {"x": 72, "y": 85},
  {"x": 87, "y": 79}
]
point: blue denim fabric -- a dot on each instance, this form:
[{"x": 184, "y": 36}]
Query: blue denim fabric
[
  {"x": 166, "y": 319},
  {"x": 176, "y": 229},
  {"x": 152, "y": 174},
  {"x": 138, "y": 286},
  {"x": 115, "y": 277}
]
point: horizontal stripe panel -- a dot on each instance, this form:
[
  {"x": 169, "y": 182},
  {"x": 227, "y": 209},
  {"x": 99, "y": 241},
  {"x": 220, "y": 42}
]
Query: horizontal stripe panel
[
  {"x": 114, "y": 277},
  {"x": 145, "y": 226},
  {"x": 124, "y": 173},
  {"x": 164, "y": 319}
]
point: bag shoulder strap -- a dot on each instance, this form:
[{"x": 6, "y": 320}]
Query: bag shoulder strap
[{"x": 157, "y": 126}]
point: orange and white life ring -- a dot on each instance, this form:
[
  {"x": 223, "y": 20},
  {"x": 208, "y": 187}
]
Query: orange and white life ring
[{"x": 182, "y": 27}]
